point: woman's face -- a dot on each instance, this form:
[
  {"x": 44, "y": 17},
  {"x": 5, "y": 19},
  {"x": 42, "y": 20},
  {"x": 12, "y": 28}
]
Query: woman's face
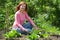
[{"x": 23, "y": 7}]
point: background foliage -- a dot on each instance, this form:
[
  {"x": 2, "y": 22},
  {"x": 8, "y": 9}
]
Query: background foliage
[{"x": 46, "y": 13}]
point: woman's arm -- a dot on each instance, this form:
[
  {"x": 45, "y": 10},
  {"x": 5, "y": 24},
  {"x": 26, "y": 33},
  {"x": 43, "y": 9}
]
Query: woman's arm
[{"x": 30, "y": 20}]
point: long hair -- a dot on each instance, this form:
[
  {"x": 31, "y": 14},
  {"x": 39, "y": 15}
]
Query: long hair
[{"x": 21, "y": 3}]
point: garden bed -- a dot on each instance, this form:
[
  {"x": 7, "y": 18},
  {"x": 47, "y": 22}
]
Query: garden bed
[{"x": 23, "y": 37}]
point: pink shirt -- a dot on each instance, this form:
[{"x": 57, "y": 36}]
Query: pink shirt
[{"x": 20, "y": 18}]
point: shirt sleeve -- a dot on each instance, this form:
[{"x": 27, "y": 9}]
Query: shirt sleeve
[
  {"x": 29, "y": 19},
  {"x": 17, "y": 20}
]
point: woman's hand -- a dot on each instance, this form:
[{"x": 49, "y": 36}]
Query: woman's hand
[
  {"x": 26, "y": 30},
  {"x": 23, "y": 29},
  {"x": 35, "y": 27}
]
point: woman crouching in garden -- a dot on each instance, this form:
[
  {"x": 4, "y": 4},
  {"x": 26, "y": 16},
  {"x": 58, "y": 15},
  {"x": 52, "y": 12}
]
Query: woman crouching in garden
[{"x": 20, "y": 16}]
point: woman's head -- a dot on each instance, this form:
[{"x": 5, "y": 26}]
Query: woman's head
[{"x": 22, "y": 6}]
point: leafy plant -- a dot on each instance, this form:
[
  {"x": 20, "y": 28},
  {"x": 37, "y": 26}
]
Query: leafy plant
[
  {"x": 11, "y": 34},
  {"x": 34, "y": 35}
]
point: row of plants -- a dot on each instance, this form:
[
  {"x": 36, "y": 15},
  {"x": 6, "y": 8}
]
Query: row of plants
[{"x": 46, "y": 29}]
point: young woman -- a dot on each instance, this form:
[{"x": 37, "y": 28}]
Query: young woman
[{"x": 20, "y": 16}]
